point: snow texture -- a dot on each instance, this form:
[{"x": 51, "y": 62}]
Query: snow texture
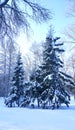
[
  {"x": 49, "y": 77},
  {"x": 37, "y": 119}
]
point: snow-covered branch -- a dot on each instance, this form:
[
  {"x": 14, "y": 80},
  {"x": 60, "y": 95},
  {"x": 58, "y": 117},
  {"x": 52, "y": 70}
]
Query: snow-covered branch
[{"x": 3, "y": 3}]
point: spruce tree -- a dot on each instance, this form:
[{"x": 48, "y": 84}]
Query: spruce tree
[
  {"x": 17, "y": 90},
  {"x": 53, "y": 82},
  {"x": 35, "y": 88},
  {"x": 31, "y": 93}
]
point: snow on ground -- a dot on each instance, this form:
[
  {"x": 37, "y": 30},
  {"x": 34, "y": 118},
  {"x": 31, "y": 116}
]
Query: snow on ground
[{"x": 37, "y": 119}]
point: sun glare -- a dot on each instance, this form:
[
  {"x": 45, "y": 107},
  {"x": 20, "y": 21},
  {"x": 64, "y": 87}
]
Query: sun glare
[{"x": 24, "y": 44}]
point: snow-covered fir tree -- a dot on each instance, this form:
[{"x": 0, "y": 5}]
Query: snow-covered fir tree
[
  {"x": 53, "y": 82},
  {"x": 48, "y": 85},
  {"x": 17, "y": 89},
  {"x": 31, "y": 93},
  {"x": 35, "y": 87}
]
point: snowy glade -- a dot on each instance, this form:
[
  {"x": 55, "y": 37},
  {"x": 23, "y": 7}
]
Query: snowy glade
[
  {"x": 37, "y": 119},
  {"x": 48, "y": 86}
]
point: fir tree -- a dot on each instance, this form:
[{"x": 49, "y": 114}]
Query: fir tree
[
  {"x": 53, "y": 82},
  {"x": 35, "y": 88},
  {"x": 16, "y": 92},
  {"x": 31, "y": 93}
]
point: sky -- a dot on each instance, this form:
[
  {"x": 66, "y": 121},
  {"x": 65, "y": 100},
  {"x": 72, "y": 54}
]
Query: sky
[{"x": 59, "y": 21}]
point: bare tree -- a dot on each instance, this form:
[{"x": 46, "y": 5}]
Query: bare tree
[
  {"x": 15, "y": 14},
  {"x": 32, "y": 59},
  {"x": 70, "y": 29},
  {"x": 70, "y": 65},
  {"x": 28, "y": 65},
  {"x": 37, "y": 49},
  {"x": 71, "y": 9},
  {"x": 7, "y": 62},
  {"x": 70, "y": 33}
]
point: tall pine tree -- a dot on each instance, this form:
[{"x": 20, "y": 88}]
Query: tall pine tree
[
  {"x": 17, "y": 90},
  {"x": 53, "y": 82}
]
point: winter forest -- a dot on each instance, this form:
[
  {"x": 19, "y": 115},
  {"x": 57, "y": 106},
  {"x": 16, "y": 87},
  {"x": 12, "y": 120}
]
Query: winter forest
[
  {"x": 41, "y": 79},
  {"x": 37, "y": 65}
]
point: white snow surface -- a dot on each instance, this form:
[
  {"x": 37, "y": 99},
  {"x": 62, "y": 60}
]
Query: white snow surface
[{"x": 37, "y": 119}]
